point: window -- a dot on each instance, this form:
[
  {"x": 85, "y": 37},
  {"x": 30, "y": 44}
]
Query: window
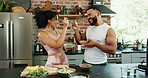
[{"x": 131, "y": 20}]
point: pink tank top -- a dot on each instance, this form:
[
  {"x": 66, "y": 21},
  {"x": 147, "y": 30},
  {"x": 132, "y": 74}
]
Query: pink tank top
[{"x": 56, "y": 56}]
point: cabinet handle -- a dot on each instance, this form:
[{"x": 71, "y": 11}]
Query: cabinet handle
[
  {"x": 45, "y": 60},
  {"x": 142, "y": 57},
  {"x": 72, "y": 59},
  {"x": 126, "y": 53}
]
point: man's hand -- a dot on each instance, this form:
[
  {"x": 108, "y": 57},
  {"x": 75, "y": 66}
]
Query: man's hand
[{"x": 90, "y": 43}]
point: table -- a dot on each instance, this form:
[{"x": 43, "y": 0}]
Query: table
[{"x": 107, "y": 71}]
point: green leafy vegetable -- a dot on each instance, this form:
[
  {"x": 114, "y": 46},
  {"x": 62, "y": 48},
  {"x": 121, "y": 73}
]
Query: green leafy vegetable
[{"x": 37, "y": 73}]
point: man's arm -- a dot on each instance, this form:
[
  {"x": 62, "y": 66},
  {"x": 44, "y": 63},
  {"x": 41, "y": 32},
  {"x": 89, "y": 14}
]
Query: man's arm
[
  {"x": 110, "y": 40},
  {"x": 78, "y": 35}
]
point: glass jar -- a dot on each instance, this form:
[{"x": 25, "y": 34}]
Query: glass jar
[
  {"x": 64, "y": 10},
  {"x": 58, "y": 9}
]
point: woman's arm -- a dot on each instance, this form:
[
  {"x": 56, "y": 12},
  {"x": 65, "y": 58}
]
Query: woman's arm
[{"x": 46, "y": 39}]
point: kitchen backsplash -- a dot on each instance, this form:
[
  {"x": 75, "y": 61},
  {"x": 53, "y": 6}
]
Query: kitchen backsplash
[{"x": 82, "y": 22}]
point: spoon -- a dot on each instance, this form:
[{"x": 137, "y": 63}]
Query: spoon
[
  {"x": 68, "y": 73},
  {"x": 94, "y": 75}
]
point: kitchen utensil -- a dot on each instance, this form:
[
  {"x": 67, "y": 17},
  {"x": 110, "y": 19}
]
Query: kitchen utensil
[
  {"x": 68, "y": 73},
  {"x": 79, "y": 75},
  {"x": 82, "y": 75},
  {"x": 94, "y": 75}
]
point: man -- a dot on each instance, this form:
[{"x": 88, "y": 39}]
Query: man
[{"x": 100, "y": 36}]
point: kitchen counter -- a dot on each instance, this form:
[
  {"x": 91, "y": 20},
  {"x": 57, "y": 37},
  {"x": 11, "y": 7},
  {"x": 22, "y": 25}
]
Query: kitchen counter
[
  {"x": 130, "y": 50},
  {"x": 76, "y": 57},
  {"x": 67, "y": 52},
  {"x": 127, "y": 50},
  {"x": 108, "y": 71}
]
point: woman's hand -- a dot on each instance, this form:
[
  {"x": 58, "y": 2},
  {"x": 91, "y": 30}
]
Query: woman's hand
[
  {"x": 75, "y": 25},
  {"x": 65, "y": 22}
]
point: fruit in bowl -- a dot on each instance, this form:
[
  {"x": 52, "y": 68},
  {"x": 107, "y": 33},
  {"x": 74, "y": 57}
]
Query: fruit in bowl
[{"x": 85, "y": 66}]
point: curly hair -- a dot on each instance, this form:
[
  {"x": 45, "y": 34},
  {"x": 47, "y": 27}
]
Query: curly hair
[
  {"x": 95, "y": 7},
  {"x": 42, "y": 18}
]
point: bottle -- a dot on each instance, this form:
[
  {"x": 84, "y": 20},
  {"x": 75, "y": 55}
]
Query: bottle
[
  {"x": 37, "y": 47},
  {"x": 128, "y": 72},
  {"x": 58, "y": 9},
  {"x": 64, "y": 10},
  {"x": 41, "y": 49}
]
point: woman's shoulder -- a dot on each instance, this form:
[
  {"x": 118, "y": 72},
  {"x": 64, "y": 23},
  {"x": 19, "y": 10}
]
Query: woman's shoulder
[{"x": 42, "y": 33}]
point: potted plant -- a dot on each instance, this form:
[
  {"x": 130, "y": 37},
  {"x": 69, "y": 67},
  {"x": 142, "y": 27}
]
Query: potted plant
[
  {"x": 5, "y": 5},
  {"x": 1, "y": 6}
]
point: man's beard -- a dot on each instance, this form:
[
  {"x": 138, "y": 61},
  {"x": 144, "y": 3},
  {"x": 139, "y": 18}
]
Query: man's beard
[{"x": 92, "y": 21}]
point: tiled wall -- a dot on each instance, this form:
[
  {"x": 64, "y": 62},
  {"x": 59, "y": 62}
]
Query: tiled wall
[{"x": 82, "y": 22}]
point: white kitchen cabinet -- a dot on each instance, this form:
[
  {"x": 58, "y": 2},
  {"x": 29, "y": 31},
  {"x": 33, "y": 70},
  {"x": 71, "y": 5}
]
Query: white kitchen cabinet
[
  {"x": 75, "y": 59},
  {"x": 40, "y": 60},
  {"x": 126, "y": 58},
  {"x": 133, "y": 57},
  {"x": 138, "y": 57}
]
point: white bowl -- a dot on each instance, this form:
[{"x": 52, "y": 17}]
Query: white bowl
[
  {"x": 66, "y": 70},
  {"x": 79, "y": 75},
  {"x": 85, "y": 66},
  {"x": 69, "y": 45}
]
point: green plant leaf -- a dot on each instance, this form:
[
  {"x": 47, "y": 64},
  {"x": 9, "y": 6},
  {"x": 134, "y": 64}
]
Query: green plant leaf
[{"x": 1, "y": 5}]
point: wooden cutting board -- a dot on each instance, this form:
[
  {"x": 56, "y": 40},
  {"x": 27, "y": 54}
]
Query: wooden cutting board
[{"x": 50, "y": 70}]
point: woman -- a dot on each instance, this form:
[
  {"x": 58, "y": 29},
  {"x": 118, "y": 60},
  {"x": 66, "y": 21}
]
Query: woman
[{"x": 51, "y": 37}]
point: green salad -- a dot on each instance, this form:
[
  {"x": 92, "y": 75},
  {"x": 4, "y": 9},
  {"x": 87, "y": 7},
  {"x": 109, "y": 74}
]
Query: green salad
[{"x": 37, "y": 73}]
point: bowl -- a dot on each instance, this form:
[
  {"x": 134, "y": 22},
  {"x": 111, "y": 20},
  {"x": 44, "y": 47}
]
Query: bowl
[
  {"x": 79, "y": 75},
  {"x": 39, "y": 73},
  {"x": 83, "y": 42},
  {"x": 69, "y": 45},
  {"x": 66, "y": 70},
  {"x": 38, "y": 77},
  {"x": 85, "y": 66}
]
